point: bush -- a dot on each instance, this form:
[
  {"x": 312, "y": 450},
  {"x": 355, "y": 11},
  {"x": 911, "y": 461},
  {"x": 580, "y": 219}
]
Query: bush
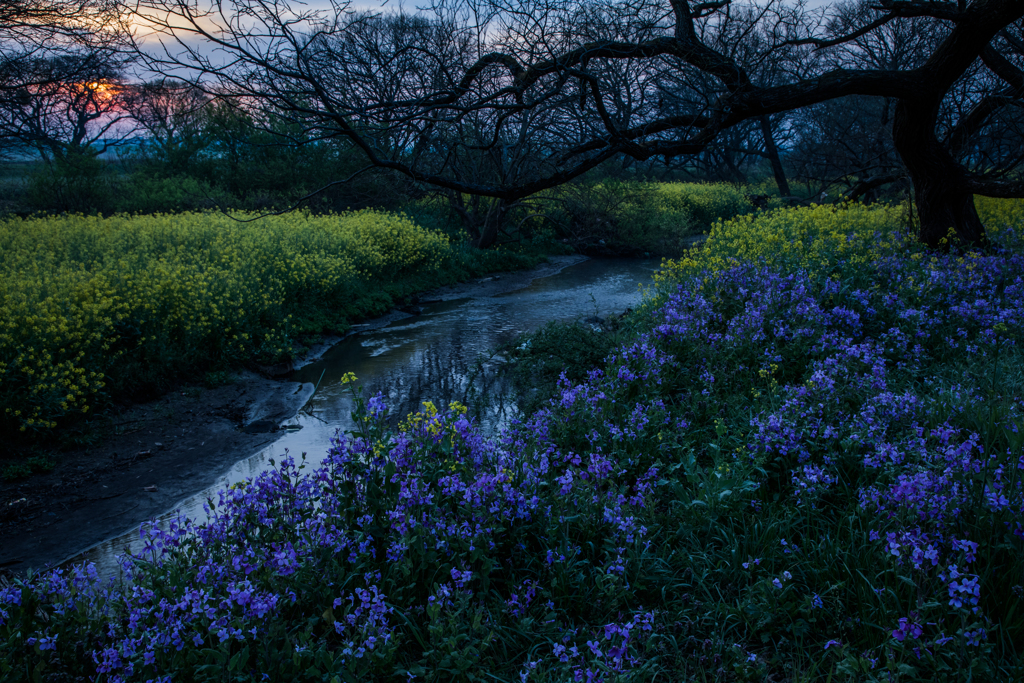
[
  {"x": 80, "y": 182},
  {"x": 815, "y": 238},
  {"x": 997, "y": 214},
  {"x": 142, "y": 193},
  {"x": 638, "y": 217},
  {"x": 703, "y": 203}
]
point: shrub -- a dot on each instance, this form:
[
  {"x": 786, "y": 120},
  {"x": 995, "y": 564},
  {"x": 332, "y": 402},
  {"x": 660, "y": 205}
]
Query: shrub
[
  {"x": 639, "y": 217},
  {"x": 141, "y": 193},
  {"x": 78, "y": 182},
  {"x": 703, "y": 203},
  {"x": 997, "y": 214},
  {"x": 815, "y": 237}
]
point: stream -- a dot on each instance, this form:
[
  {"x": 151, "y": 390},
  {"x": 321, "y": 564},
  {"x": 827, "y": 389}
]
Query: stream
[{"x": 442, "y": 354}]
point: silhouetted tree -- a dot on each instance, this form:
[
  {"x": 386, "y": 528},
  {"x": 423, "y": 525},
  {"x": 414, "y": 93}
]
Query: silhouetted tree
[
  {"x": 547, "y": 90},
  {"x": 62, "y": 65},
  {"x": 175, "y": 117}
]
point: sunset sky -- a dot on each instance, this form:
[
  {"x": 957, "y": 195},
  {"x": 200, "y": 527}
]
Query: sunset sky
[{"x": 387, "y": 6}]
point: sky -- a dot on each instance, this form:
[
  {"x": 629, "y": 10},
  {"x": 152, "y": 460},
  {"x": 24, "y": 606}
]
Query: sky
[
  {"x": 355, "y": 5},
  {"x": 361, "y": 5},
  {"x": 411, "y": 5},
  {"x": 365, "y": 5}
]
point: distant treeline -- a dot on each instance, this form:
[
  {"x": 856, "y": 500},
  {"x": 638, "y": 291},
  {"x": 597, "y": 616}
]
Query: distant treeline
[{"x": 188, "y": 152}]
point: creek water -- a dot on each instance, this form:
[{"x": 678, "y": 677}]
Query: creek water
[{"x": 443, "y": 354}]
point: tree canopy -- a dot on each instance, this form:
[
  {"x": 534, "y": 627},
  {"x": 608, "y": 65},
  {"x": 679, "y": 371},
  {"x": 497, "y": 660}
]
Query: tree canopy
[{"x": 504, "y": 98}]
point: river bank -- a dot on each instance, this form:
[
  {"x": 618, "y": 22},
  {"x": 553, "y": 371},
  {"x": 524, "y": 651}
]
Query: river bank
[
  {"x": 800, "y": 462},
  {"x": 156, "y": 453}
]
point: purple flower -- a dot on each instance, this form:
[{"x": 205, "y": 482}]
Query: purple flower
[
  {"x": 907, "y": 628},
  {"x": 975, "y": 638}
]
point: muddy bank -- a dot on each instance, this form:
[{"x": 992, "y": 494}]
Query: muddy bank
[{"x": 156, "y": 454}]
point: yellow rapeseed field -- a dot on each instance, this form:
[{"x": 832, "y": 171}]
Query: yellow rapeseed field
[
  {"x": 818, "y": 237},
  {"x": 704, "y": 203},
  {"x": 800, "y": 237},
  {"x": 80, "y": 295},
  {"x": 673, "y": 204},
  {"x": 999, "y": 213}
]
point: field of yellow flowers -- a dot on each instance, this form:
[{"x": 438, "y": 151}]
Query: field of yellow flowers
[
  {"x": 90, "y": 305},
  {"x": 819, "y": 236}
]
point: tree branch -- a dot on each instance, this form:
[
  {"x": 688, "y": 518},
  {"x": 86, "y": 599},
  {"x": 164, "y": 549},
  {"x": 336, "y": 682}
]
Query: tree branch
[{"x": 1006, "y": 189}]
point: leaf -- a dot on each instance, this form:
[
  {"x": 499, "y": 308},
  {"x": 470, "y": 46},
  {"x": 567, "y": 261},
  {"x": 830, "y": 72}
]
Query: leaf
[
  {"x": 239, "y": 660},
  {"x": 907, "y": 669},
  {"x": 800, "y": 627}
]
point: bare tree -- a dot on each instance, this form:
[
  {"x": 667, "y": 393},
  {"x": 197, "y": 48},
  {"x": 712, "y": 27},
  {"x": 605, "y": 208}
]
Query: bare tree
[
  {"x": 62, "y": 64},
  {"x": 844, "y": 146},
  {"x": 35, "y": 32},
  {"x": 760, "y": 48},
  {"x": 484, "y": 78},
  {"x": 51, "y": 28},
  {"x": 174, "y": 116},
  {"x": 63, "y": 117}
]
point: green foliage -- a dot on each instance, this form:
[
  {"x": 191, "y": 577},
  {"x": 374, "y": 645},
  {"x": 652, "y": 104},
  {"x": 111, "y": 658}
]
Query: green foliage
[
  {"x": 221, "y": 159},
  {"x": 814, "y": 237},
  {"x": 539, "y": 359},
  {"x": 36, "y": 464},
  {"x": 243, "y": 165},
  {"x": 640, "y": 217},
  {"x": 144, "y": 193},
  {"x": 76, "y": 182}
]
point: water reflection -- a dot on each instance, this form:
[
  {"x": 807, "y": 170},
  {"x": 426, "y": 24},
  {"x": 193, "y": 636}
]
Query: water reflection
[{"x": 442, "y": 355}]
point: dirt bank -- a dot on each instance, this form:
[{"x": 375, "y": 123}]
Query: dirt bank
[{"x": 156, "y": 454}]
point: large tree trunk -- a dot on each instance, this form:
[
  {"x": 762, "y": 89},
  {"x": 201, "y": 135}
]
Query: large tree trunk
[
  {"x": 942, "y": 202},
  {"x": 492, "y": 222},
  {"x": 773, "y": 156},
  {"x": 943, "y": 206},
  {"x": 483, "y": 217}
]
